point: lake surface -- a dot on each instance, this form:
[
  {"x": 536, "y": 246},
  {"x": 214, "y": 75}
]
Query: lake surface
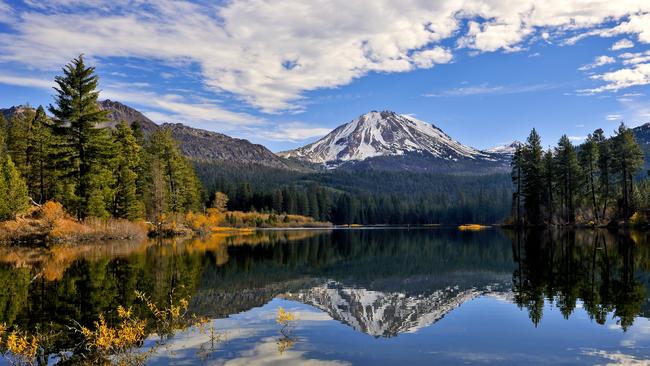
[{"x": 362, "y": 297}]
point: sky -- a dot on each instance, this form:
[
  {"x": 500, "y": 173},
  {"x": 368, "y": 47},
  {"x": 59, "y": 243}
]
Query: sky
[{"x": 283, "y": 73}]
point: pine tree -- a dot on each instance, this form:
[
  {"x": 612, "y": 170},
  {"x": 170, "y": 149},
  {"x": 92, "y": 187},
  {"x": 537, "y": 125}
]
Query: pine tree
[
  {"x": 220, "y": 202},
  {"x": 127, "y": 160},
  {"x": 13, "y": 190},
  {"x": 3, "y": 137},
  {"x": 516, "y": 174},
  {"x": 549, "y": 181},
  {"x": 627, "y": 160},
  {"x": 604, "y": 169},
  {"x": 588, "y": 157},
  {"x": 532, "y": 169},
  {"x": 182, "y": 189},
  {"x": 84, "y": 147},
  {"x": 20, "y": 126},
  {"x": 40, "y": 177},
  {"x": 568, "y": 174}
]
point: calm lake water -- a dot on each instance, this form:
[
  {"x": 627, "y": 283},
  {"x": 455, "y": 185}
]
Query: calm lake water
[{"x": 363, "y": 297}]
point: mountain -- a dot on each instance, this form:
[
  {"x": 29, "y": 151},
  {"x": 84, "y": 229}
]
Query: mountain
[
  {"x": 505, "y": 149},
  {"x": 205, "y": 145},
  {"x": 390, "y": 141},
  {"x": 120, "y": 112},
  {"x": 9, "y": 113},
  {"x": 198, "y": 144}
]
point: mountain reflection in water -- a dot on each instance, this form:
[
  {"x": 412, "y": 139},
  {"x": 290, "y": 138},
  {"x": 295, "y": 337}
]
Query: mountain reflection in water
[{"x": 381, "y": 282}]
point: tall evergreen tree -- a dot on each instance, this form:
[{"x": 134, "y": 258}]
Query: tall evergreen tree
[
  {"x": 182, "y": 189},
  {"x": 516, "y": 164},
  {"x": 127, "y": 160},
  {"x": 628, "y": 159},
  {"x": 549, "y": 183},
  {"x": 604, "y": 169},
  {"x": 588, "y": 157},
  {"x": 568, "y": 174},
  {"x": 13, "y": 190},
  {"x": 3, "y": 137},
  {"x": 533, "y": 187},
  {"x": 82, "y": 154},
  {"x": 20, "y": 126},
  {"x": 40, "y": 177}
]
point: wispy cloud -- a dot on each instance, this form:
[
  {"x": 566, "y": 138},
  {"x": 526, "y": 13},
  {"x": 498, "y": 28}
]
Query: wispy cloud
[
  {"x": 487, "y": 89},
  {"x": 292, "y": 132},
  {"x": 613, "y": 117},
  {"x": 622, "y": 44},
  {"x": 577, "y": 138},
  {"x": 16, "y": 80},
  {"x": 598, "y": 61}
]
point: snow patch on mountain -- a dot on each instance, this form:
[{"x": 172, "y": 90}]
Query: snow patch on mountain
[
  {"x": 505, "y": 149},
  {"x": 384, "y": 134}
]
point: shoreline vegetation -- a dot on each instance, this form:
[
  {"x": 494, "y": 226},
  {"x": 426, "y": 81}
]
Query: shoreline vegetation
[
  {"x": 50, "y": 224},
  {"x": 598, "y": 183}
]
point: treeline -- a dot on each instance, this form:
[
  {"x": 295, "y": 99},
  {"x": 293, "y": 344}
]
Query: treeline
[
  {"x": 374, "y": 197},
  {"x": 593, "y": 183},
  {"x": 93, "y": 170}
]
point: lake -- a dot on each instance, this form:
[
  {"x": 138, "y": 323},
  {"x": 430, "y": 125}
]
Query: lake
[{"x": 361, "y": 296}]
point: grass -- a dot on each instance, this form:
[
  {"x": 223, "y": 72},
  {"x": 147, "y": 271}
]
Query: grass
[{"x": 49, "y": 223}]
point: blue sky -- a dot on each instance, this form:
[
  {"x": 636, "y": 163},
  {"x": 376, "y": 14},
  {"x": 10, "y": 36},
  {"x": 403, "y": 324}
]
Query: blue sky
[{"x": 283, "y": 73}]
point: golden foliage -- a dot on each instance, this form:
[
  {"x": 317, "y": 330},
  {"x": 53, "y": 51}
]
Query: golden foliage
[
  {"x": 472, "y": 227},
  {"x": 115, "y": 340},
  {"x": 50, "y": 223},
  {"x": 120, "y": 344},
  {"x": 18, "y": 347},
  {"x": 285, "y": 317}
]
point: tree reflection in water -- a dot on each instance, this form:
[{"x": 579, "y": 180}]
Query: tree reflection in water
[{"x": 607, "y": 271}]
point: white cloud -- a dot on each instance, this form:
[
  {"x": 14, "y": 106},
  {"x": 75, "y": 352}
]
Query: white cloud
[
  {"x": 486, "y": 89},
  {"x": 577, "y": 138},
  {"x": 635, "y": 58},
  {"x": 292, "y": 131},
  {"x": 244, "y": 47},
  {"x": 6, "y": 12},
  {"x": 613, "y": 117},
  {"x": 26, "y": 81},
  {"x": 623, "y": 78},
  {"x": 598, "y": 61},
  {"x": 622, "y": 44}
]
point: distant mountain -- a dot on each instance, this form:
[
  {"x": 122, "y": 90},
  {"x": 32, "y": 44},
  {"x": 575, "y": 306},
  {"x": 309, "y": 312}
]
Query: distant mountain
[
  {"x": 120, "y": 112},
  {"x": 205, "y": 145},
  {"x": 505, "y": 149},
  {"x": 197, "y": 144},
  {"x": 9, "y": 113},
  {"x": 390, "y": 141}
]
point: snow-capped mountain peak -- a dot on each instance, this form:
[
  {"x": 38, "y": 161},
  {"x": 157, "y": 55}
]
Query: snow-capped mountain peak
[
  {"x": 505, "y": 149},
  {"x": 383, "y": 133}
]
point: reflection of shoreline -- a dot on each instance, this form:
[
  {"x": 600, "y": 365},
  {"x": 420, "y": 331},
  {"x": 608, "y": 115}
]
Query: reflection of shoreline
[{"x": 52, "y": 262}]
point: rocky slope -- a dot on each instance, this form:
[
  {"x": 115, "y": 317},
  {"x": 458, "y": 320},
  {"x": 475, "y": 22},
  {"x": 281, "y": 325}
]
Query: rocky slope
[{"x": 197, "y": 144}]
